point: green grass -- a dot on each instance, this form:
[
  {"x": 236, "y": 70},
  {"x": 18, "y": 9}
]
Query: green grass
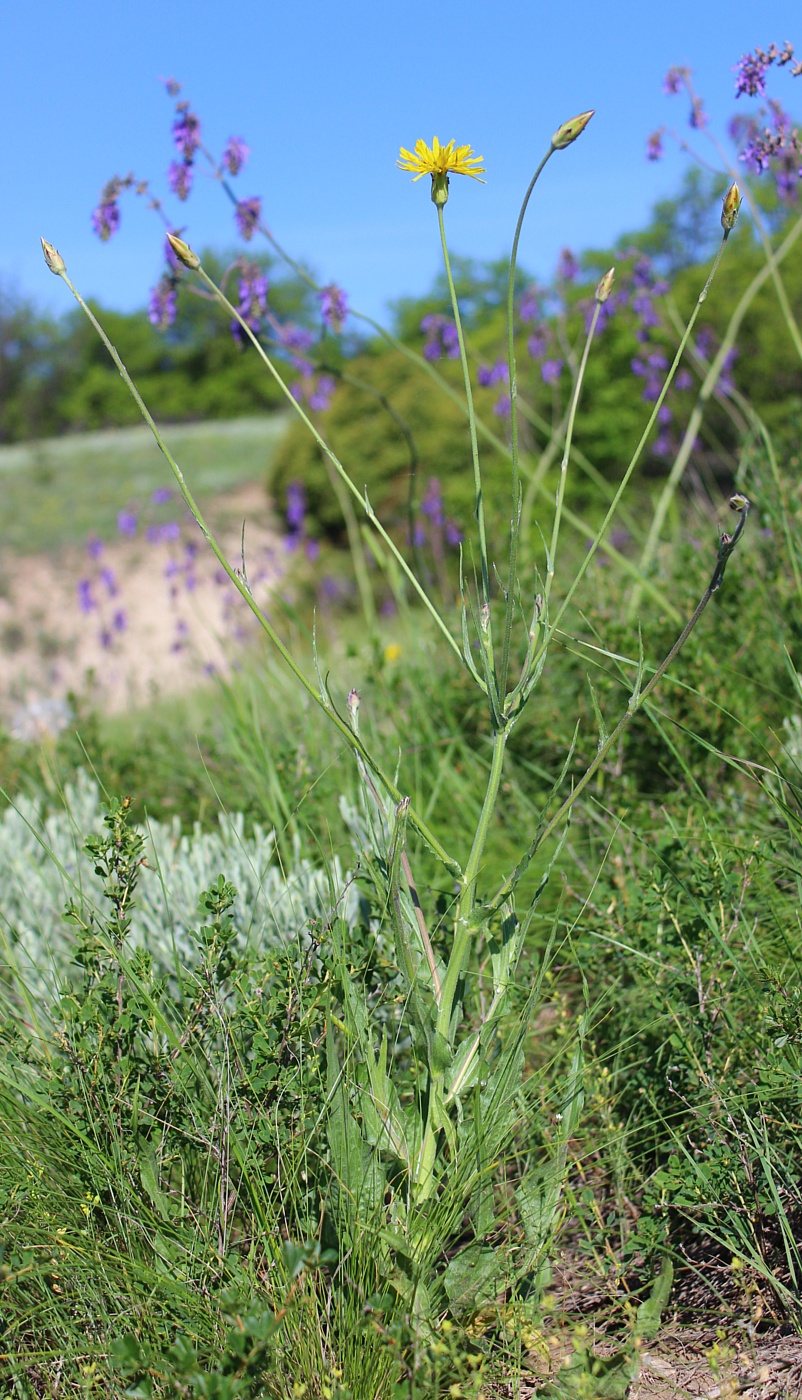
[{"x": 58, "y": 491}]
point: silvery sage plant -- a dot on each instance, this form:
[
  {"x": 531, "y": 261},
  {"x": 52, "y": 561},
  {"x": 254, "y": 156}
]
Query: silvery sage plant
[{"x": 420, "y": 1111}]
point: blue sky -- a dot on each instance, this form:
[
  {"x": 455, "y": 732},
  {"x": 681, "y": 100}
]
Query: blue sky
[{"x": 324, "y": 94}]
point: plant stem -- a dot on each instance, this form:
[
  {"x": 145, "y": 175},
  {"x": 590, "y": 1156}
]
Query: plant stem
[
  {"x": 245, "y": 592},
  {"x": 466, "y": 376},
  {"x": 515, "y": 519}
]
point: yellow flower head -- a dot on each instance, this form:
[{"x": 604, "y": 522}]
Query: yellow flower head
[{"x": 440, "y": 160}]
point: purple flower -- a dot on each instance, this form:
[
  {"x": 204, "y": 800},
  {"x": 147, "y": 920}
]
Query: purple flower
[
  {"x": 551, "y": 370},
  {"x": 751, "y": 71},
  {"x": 179, "y": 177},
  {"x": 186, "y": 131},
  {"x": 161, "y": 496},
  {"x": 171, "y": 86},
  {"x": 536, "y": 344},
  {"x": 698, "y": 117},
  {"x": 106, "y": 219},
  {"x": 105, "y": 638},
  {"x": 296, "y": 506},
  {"x": 654, "y": 145},
  {"x": 683, "y": 380},
  {"x": 529, "y": 309},
  {"x": 235, "y": 155},
  {"x": 120, "y": 620},
  {"x": 252, "y": 299},
  {"x": 320, "y": 394},
  {"x": 94, "y": 547},
  {"x": 312, "y": 550},
  {"x": 567, "y": 267},
  {"x": 441, "y": 337},
  {"x": 661, "y": 447},
  {"x": 503, "y": 405},
  {"x": 127, "y": 522},
  {"x": 673, "y": 81},
  {"x": 86, "y": 601},
  {"x": 109, "y": 581},
  {"x": 453, "y": 534},
  {"x": 162, "y": 304},
  {"x": 498, "y": 374},
  {"x": 664, "y": 415},
  {"x": 432, "y": 503},
  {"x": 333, "y": 307},
  {"x": 247, "y": 215}
]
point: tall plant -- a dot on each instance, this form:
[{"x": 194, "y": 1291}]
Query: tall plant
[{"x": 423, "y": 1097}]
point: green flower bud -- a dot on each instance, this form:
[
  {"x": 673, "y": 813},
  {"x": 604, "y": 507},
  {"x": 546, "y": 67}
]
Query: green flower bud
[
  {"x": 730, "y": 207},
  {"x": 53, "y": 258},
  {"x": 183, "y": 251},
  {"x": 569, "y": 131},
  {"x": 605, "y": 286}
]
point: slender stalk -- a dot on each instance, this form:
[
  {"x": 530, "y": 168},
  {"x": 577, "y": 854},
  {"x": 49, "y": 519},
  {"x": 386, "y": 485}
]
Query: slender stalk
[
  {"x": 333, "y": 458},
  {"x": 708, "y": 386},
  {"x": 599, "y": 536},
  {"x": 515, "y": 519},
  {"x": 466, "y": 376},
  {"x": 244, "y": 590},
  {"x": 637, "y": 700},
  {"x": 569, "y": 433}
]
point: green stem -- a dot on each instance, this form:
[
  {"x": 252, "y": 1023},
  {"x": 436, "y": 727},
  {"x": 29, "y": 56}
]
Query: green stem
[
  {"x": 637, "y": 700},
  {"x": 244, "y": 590},
  {"x": 333, "y": 458},
  {"x": 466, "y": 376},
  {"x": 599, "y": 536},
  {"x": 569, "y": 433},
  {"x": 515, "y": 522},
  {"x": 708, "y": 386}
]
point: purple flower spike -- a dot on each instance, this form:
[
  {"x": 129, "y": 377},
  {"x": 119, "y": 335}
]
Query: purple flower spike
[
  {"x": 235, "y": 155},
  {"x": 551, "y": 370},
  {"x": 751, "y": 79},
  {"x": 333, "y": 307},
  {"x": 86, "y": 601},
  {"x": 296, "y": 506},
  {"x": 432, "y": 503},
  {"x": 567, "y": 267},
  {"x": 453, "y": 534},
  {"x": 179, "y": 177},
  {"x": 162, "y": 304},
  {"x": 673, "y": 81},
  {"x": 127, "y": 522},
  {"x": 246, "y": 216},
  {"x": 186, "y": 131},
  {"x": 161, "y": 495},
  {"x": 120, "y": 620},
  {"x": 106, "y": 219},
  {"x": 654, "y": 145},
  {"x": 109, "y": 581},
  {"x": 320, "y": 397},
  {"x": 94, "y": 547}
]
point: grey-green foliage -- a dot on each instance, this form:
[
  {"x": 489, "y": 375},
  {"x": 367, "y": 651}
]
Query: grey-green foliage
[{"x": 43, "y": 866}]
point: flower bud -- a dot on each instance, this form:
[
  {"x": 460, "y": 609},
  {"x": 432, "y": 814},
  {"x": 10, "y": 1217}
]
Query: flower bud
[
  {"x": 605, "y": 286},
  {"x": 53, "y": 258},
  {"x": 183, "y": 251},
  {"x": 739, "y": 503},
  {"x": 730, "y": 207},
  {"x": 569, "y": 131},
  {"x": 353, "y": 709}
]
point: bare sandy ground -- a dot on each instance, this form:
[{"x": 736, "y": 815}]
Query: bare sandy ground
[{"x": 130, "y": 621}]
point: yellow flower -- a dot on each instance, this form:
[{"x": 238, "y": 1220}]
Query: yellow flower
[
  {"x": 441, "y": 160},
  {"x": 392, "y": 651}
]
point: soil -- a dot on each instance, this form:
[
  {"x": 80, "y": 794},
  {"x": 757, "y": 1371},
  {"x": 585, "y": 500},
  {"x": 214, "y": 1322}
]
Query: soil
[{"x": 156, "y": 617}]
